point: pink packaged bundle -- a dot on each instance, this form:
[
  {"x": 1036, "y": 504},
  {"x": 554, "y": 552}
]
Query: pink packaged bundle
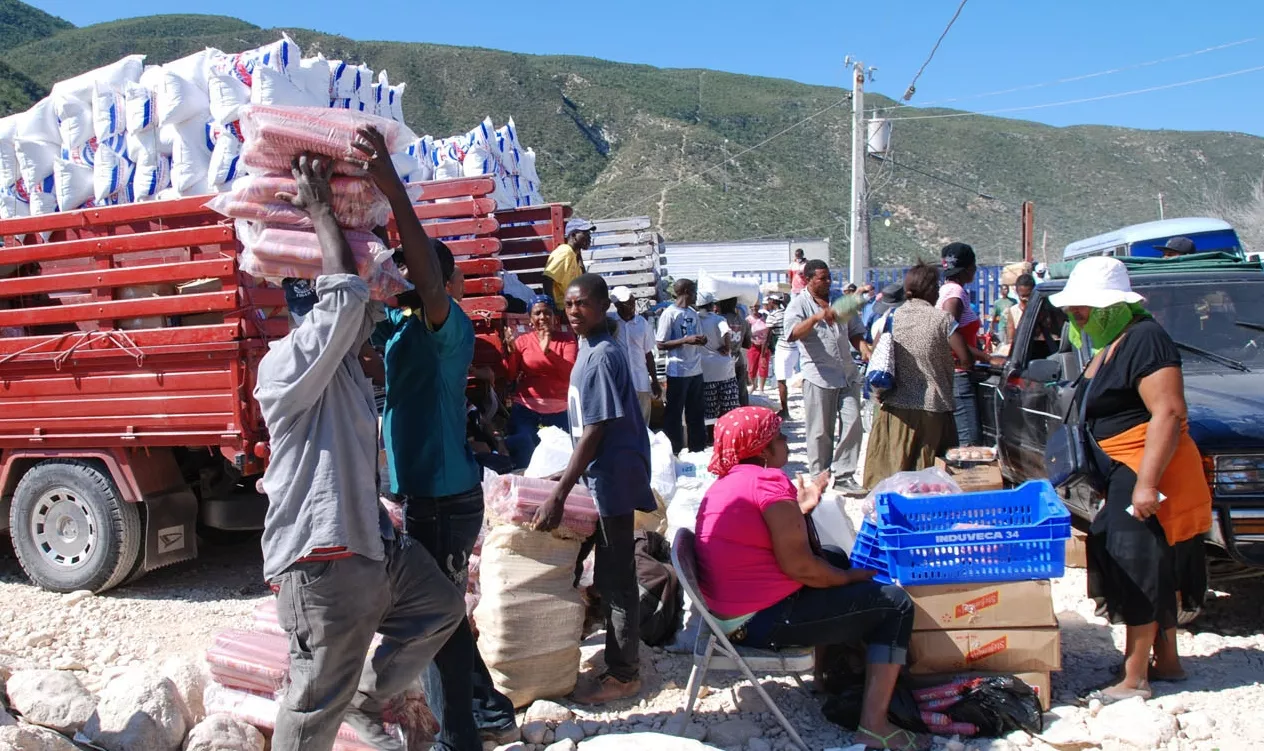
[
  {"x": 249, "y": 660},
  {"x": 291, "y": 252},
  {"x": 261, "y": 712},
  {"x": 515, "y": 499},
  {"x": 275, "y": 135},
  {"x": 266, "y": 618},
  {"x": 357, "y": 203}
]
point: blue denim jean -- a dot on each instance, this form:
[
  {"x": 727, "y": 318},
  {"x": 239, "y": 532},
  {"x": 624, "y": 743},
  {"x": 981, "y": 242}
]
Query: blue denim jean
[
  {"x": 965, "y": 411},
  {"x": 457, "y": 684},
  {"x": 522, "y": 433}
]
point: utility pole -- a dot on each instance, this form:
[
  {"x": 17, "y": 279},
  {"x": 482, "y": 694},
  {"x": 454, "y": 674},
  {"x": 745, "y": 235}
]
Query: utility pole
[
  {"x": 1161, "y": 217},
  {"x": 859, "y": 201}
]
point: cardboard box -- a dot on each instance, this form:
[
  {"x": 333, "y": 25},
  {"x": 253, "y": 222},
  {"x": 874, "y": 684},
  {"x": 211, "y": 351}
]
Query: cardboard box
[
  {"x": 1002, "y": 650},
  {"x": 975, "y": 477},
  {"x": 1077, "y": 550},
  {"x": 1040, "y": 681},
  {"x": 1026, "y": 604}
]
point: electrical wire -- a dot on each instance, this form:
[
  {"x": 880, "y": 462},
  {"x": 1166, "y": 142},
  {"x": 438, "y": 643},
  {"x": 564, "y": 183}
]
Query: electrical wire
[
  {"x": 912, "y": 87},
  {"x": 937, "y": 178},
  {"x": 712, "y": 168},
  {"x": 1072, "y": 79},
  {"x": 1116, "y": 95}
]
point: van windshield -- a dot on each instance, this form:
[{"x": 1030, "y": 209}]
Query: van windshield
[{"x": 1207, "y": 316}]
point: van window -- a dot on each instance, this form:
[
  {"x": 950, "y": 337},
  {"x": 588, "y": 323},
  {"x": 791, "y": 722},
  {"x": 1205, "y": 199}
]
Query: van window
[
  {"x": 1206, "y": 316},
  {"x": 1046, "y": 339}
]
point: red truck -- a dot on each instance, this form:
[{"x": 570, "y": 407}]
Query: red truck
[{"x": 127, "y": 365}]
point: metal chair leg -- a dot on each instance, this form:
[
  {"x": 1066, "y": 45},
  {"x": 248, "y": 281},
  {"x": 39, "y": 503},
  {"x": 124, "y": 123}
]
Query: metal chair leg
[
  {"x": 794, "y": 734},
  {"x": 696, "y": 676},
  {"x": 799, "y": 680}
]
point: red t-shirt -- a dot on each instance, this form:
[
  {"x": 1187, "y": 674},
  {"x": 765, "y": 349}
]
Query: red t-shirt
[
  {"x": 543, "y": 375},
  {"x": 797, "y": 280},
  {"x": 737, "y": 570}
]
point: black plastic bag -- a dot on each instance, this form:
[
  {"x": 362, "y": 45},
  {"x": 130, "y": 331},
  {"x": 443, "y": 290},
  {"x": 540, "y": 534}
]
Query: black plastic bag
[
  {"x": 843, "y": 708},
  {"x": 999, "y": 705}
]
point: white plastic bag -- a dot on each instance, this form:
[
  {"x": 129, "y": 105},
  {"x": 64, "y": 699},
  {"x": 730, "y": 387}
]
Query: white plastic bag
[
  {"x": 142, "y": 146},
  {"x": 191, "y": 157},
  {"x": 151, "y": 177},
  {"x": 832, "y": 523},
  {"x": 109, "y": 112},
  {"x": 39, "y": 123},
  {"x": 395, "y": 102},
  {"x": 228, "y": 95},
  {"x": 662, "y": 466},
  {"x": 140, "y": 108},
  {"x": 9, "y": 170},
  {"x": 14, "y": 202},
  {"x": 312, "y": 75},
  {"x": 506, "y": 150},
  {"x": 35, "y": 160},
  {"x": 111, "y": 170},
  {"x": 364, "y": 89},
  {"x": 80, "y": 89},
  {"x": 273, "y": 88},
  {"x": 181, "y": 99},
  {"x": 553, "y": 453},
  {"x": 723, "y": 287},
  {"x": 526, "y": 166},
  {"x": 74, "y": 124},
  {"x": 225, "y": 160},
  {"x": 478, "y": 161},
  {"x": 930, "y": 481},
  {"x": 447, "y": 159},
  {"x": 73, "y": 184},
  {"x": 344, "y": 80},
  {"x": 44, "y": 200}
]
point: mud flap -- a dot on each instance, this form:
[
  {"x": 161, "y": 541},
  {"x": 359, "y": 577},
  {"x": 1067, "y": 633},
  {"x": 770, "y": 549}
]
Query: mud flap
[{"x": 170, "y": 528}]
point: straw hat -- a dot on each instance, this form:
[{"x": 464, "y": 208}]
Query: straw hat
[{"x": 1097, "y": 282}]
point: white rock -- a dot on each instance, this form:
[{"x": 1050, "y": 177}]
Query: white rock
[
  {"x": 139, "y": 711},
  {"x": 563, "y": 745},
  {"x": 189, "y": 676},
  {"x": 32, "y": 738},
  {"x": 1198, "y": 726},
  {"x": 733, "y": 733},
  {"x": 533, "y": 732},
  {"x": 548, "y": 711},
  {"x": 223, "y": 732},
  {"x": 568, "y": 730},
  {"x": 640, "y": 742},
  {"x": 954, "y": 745},
  {"x": 515, "y": 746},
  {"x": 74, "y": 598},
  {"x": 40, "y": 639},
  {"x": 1019, "y": 738},
  {"x": 51, "y": 698},
  {"x": 1134, "y": 723},
  {"x": 68, "y": 663}
]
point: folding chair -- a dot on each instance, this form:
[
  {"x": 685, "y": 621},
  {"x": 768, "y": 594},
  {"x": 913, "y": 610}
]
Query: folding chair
[{"x": 730, "y": 657}]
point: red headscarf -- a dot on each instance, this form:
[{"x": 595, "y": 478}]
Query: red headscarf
[{"x": 741, "y": 434}]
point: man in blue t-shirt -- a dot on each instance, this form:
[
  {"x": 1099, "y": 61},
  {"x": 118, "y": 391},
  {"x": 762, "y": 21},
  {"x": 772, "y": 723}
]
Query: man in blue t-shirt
[
  {"x": 429, "y": 344},
  {"x": 612, "y": 452}
]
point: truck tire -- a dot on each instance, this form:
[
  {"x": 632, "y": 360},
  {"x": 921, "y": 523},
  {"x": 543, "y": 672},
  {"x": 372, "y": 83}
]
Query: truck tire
[{"x": 71, "y": 528}]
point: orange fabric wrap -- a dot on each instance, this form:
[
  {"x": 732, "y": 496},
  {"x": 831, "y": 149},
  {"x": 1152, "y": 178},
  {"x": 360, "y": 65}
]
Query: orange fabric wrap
[{"x": 1187, "y": 510}]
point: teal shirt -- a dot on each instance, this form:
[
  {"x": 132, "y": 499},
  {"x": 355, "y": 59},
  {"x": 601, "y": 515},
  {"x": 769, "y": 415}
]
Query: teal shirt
[{"x": 424, "y": 420}]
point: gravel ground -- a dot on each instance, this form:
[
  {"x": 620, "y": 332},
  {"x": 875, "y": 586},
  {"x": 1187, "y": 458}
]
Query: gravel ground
[{"x": 176, "y": 611}]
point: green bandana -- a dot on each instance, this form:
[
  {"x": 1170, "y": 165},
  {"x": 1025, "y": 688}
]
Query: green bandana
[{"x": 1106, "y": 324}]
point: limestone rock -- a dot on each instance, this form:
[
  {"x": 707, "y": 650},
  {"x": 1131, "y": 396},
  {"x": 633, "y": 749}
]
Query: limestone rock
[
  {"x": 1134, "y": 724},
  {"x": 548, "y": 711},
  {"x": 71, "y": 599},
  {"x": 189, "y": 676},
  {"x": 223, "y": 732},
  {"x": 51, "y": 698},
  {"x": 32, "y": 738},
  {"x": 515, "y": 746},
  {"x": 733, "y": 733},
  {"x": 568, "y": 730},
  {"x": 566, "y": 744},
  {"x": 640, "y": 742},
  {"x": 1197, "y": 726},
  {"x": 139, "y": 711}
]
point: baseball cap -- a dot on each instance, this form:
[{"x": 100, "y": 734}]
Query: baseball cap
[
  {"x": 1182, "y": 246},
  {"x": 621, "y": 294},
  {"x": 579, "y": 225},
  {"x": 956, "y": 258}
]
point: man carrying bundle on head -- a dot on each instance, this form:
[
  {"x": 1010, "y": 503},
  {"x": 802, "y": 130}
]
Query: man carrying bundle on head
[{"x": 339, "y": 571}]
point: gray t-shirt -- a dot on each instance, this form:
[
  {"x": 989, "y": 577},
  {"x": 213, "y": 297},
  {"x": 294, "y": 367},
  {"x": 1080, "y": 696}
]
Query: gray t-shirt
[
  {"x": 321, "y": 481},
  {"x": 601, "y": 391},
  {"x": 676, "y": 323},
  {"x": 825, "y": 353}
]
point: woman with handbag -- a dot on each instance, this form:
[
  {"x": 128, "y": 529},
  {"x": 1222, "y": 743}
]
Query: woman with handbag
[
  {"x": 1145, "y": 544},
  {"x": 915, "y": 422}
]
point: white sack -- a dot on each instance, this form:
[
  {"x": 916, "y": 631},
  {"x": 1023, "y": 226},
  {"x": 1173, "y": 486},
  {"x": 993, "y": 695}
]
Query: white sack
[
  {"x": 111, "y": 172},
  {"x": 724, "y": 287},
  {"x": 9, "y": 170},
  {"x": 344, "y": 80},
  {"x": 80, "y": 89},
  {"x": 273, "y": 88},
  {"x": 39, "y": 123},
  {"x": 151, "y": 177},
  {"x": 109, "y": 115},
  {"x": 181, "y": 99},
  {"x": 74, "y": 124},
  {"x": 35, "y": 160},
  {"x": 313, "y": 76},
  {"x": 191, "y": 158},
  {"x": 225, "y": 163},
  {"x": 228, "y": 95},
  {"x": 140, "y": 108},
  {"x": 73, "y": 184},
  {"x": 526, "y": 166},
  {"x": 14, "y": 203},
  {"x": 143, "y": 146}
]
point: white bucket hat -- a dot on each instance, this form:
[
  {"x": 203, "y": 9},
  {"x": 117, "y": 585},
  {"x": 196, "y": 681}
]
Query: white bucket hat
[{"x": 1097, "y": 282}]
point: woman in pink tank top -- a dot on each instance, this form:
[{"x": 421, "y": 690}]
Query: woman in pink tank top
[{"x": 761, "y": 574}]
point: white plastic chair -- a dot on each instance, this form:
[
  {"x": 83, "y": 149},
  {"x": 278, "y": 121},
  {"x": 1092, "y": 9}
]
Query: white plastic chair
[{"x": 711, "y": 640}]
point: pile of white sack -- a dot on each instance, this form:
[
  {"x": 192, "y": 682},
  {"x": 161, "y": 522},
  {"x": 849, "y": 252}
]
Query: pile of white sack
[
  {"x": 132, "y": 132},
  {"x": 485, "y": 150}
]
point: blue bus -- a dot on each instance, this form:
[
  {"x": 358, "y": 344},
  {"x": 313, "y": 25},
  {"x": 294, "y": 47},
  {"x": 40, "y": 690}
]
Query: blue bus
[{"x": 1142, "y": 239}]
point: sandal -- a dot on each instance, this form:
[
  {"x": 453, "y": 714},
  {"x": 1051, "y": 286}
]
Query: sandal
[
  {"x": 1151, "y": 675},
  {"x": 911, "y": 742},
  {"x": 1109, "y": 698}
]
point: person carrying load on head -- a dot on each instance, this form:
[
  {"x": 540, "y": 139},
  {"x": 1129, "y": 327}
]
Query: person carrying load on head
[
  {"x": 339, "y": 570},
  {"x": 567, "y": 260}
]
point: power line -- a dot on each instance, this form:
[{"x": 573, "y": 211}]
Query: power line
[
  {"x": 726, "y": 160},
  {"x": 1084, "y": 100},
  {"x": 937, "y": 178},
  {"x": 1072, "y": 79},
  {"x": 912, "y": 87}
]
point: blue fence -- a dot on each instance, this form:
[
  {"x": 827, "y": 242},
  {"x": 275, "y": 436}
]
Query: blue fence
[{"x": 983, "y": 291}]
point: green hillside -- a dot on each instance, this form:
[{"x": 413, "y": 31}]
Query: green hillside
[
  {"x": 618, "y": 139},
  {"x": 20, "y": 23}
]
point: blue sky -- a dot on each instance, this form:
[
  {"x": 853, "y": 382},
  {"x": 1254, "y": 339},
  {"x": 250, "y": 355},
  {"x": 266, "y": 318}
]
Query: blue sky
[{"x": 995, "y": 45}]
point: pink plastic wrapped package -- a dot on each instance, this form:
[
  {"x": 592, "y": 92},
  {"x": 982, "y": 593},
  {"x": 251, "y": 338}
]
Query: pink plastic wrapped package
[
  {"x": 266, "y": 618},
  {"x": 357, "y": 203},
  {"x": 291, "y": 252},
  {"x": 261, "y": 712},
  {"x": 514, "y": 499},
  {"x": 249, "y": 660},
  {"x": 275, "y": 135}
]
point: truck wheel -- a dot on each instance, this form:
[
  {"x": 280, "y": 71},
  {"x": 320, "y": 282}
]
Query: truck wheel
[{"x": 71, "y": 529}]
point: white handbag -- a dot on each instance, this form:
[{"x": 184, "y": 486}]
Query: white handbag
[{"x": 881, "y": 373}]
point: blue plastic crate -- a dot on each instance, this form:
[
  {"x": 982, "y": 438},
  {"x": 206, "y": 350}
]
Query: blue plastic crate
[
  {"x": 1006, "y": 535},
  {"x": 867, "y": 553}
]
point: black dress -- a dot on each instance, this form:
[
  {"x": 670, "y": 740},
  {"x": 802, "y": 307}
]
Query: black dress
[{"x": 1133, "y": 573}]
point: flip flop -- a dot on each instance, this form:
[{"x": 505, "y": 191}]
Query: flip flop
[
  {"x": 1151, "y": 676},
  {"x": 1107, "y": 699},
  {"x": 909, "y": 737}
]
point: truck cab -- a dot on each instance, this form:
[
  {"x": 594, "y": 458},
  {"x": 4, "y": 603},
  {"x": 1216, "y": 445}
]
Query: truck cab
[{"x": 1213, "y": 308}]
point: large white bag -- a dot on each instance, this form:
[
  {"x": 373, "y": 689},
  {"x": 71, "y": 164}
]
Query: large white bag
[
  {"x": 526, "y": 166},
  {"x": 80, "y": 89},
  {"x": 14, "y": 204},
  {"x": 312, "y": 75},
  {"x": 181, "y": 99},
  {"x": 530, "y": 616},
  {"x": 344, "y": 80},
  {"x": 109, "y": 112},
  {"x": 152, "y": 176},
  {"x": 111, "y": 172},
  {"x": 9, "y": 170},
  {"x": 191, "y": 158},
  {"x": 273, "y": 88},
  {"x": 140, "y": 105},
  {"x": 39, "y": 123},
  {"x": 225, "y": 165},
  {"x": 478, "y": 161},
  {"x": 724, "y": 287},
  {"x": 73, "y": 184},
  {"x": 228, "y": 95},
  {"x": 35, "y": 160},
  {"x": 74, "y": 124}
]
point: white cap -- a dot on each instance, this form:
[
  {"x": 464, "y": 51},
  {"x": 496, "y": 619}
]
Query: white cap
[
  {"x": 621, "y": 294},
  {"x": 1096, "y": 282}
]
